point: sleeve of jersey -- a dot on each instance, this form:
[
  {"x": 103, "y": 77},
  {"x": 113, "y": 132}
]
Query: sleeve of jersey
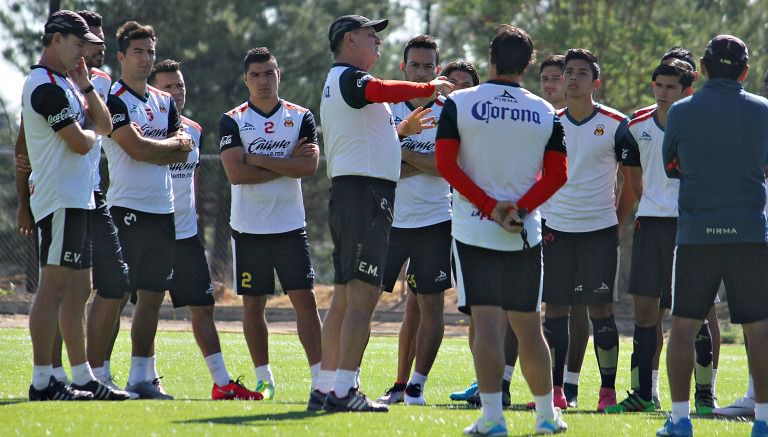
[
  {"x": 174, "y": 121},
  {"x": 446, "y": 153},
  {"x": 229, "y": 134},
  {"x": 308, "y": 129},
  {"x": 669, "y": 147},
  {"x": 621, "y": 131},
  {"x": 51, "y": 102},
  {"x": 555, "y": 171},
  {"x": 358, "y": 88},
  {"x": 119, "y": 112},
  {"x": 630, "y": 151}
]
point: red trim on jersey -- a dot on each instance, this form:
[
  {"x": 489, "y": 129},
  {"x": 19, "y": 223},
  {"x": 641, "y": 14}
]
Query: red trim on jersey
[
  {"x": 241, "y": 108},
  {"x": 555, "y": 176},
  {"x": 395, "y": 91},
  {"x": 291, "y": 106},
  {"x": 154, "y": 90},
  {"x": 191, "y": 122},
  {"x": 642, "y": 117},
  {"x": 611, "y": 113},
  {"x": 643, "y": 111},
  {"x": 446, "y": 152},
  {"x": 120, "y": 92},
  {"x": 560, "y": 112},
  {"x": 51, "y": 77},
  {"x": 97, "y": 72}
]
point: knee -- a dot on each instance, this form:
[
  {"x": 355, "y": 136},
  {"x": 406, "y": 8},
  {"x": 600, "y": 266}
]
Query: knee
[
  {"x": 600, "y": 311},
  {"x": 557, "y": 311},
  {"x": 201, "y": 313}
]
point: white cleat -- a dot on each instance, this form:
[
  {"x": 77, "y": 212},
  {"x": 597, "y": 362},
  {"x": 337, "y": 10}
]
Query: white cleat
[
  {"x": 487, "y": 428},
  {"x": 555, "y": 425},
  {"x": 414, "y": 395},
  {"x": 111, "y": 384},
  {"x": 741, "y": 407}
]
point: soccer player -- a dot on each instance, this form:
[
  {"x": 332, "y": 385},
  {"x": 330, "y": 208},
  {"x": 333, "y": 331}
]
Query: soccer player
[
  {"x": 364, "y": 155},
  {"x": 653, "y": 244},
  {"x": 721, "y": 229},
  {"x": 191, "y": 282},
  {"x": 58, "y": 97},
  {"x": 581, "y": 229},
  {"x": 267, "y": 145},
  {"x": 147, "y": 135},
  {"x": 420, "y": 235},
  {"x": 462, "y": 74},
  {"x": 493, "y": 142},
  {"x": 551, "y": 80}
]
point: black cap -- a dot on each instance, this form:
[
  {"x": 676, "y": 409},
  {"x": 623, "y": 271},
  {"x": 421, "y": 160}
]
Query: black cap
[
  {"x": 727, "y": 49},
  {"x": 67, "y": 22},
  {"x": 348, "y": 23}
]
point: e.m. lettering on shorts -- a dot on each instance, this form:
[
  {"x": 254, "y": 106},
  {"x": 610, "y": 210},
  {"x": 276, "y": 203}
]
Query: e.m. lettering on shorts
[
  {"x": 256, "y": 258},
  {"x": 653, "y": 249},
  {"x": 360, "y": 213},
  {"x": 191, "y": 283},
  {"x": 64, "y": 238},
  {"x": 110, "y": 271},
  {"x": 428, "y": 252}
]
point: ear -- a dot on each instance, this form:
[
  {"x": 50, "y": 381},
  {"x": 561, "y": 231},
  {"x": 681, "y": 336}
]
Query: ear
[
  {"x": 688, "y": 91},
  {"x": 743, "y": 75},
  {"x": 695, "y": 75},
  {"x": 245, "y": 79},
  {"x": 120, "y": 56},
  {"x": 438, "y": 69},
  {"x": 402, "y": 66},
  {"x": 279, "y": 74},
  {"x": 597, "y": 84}
]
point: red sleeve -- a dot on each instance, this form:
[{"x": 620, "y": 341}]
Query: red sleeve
[
  {"x": 446, "y": 152},
  {"x": 555, "y": 175},
  {"x": 395, "y": 91}
]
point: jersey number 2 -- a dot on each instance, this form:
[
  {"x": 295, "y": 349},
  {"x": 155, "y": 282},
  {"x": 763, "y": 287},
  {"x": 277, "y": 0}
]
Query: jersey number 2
[{"x": 269, "y": 127}]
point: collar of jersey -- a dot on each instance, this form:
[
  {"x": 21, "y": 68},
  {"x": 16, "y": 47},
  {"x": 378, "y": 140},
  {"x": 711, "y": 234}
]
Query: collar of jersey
[
  {"x": 411, "y": 107},
  {"x": 36, "y": 66},
  {"x": 143, "y": 98},
  {"x": 343, "y": 64},
  {"x": 271, "y": 113},
  {"x": 505, "y": 83},
  {"x": 656, "y": 119},
  {"x": 586, "y": 120}
]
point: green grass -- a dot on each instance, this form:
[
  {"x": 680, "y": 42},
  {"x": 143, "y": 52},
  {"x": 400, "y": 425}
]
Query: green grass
[{"x": 192, "y": 413}]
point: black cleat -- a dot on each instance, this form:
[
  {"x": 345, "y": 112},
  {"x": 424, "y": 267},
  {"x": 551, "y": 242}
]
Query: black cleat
[
  {"x": 58, "y": 391},
  {"x": 354, "y": 401},
  {"x": 102, "y": 392}
]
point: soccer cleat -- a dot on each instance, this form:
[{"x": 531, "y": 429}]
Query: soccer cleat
[
  {"x": 571, "y": 392},
  {"x": 58, "y": 391},
  {"x": 234, "y": 390},
  {"x": 393, "y": 395},
  {"x": 487, "y": 427},
  {"x": 111, "y": 384},
  {"x": 606, "y": 398},
  {"x": 741, "y": 407},
  {"x": 266, "y": 389},
  {"x": 316, "y": 400},
  {"x": 101, "y": 391},
  {"x": 704, "y": 402},
  {"x": 463, "y": 395},
  {"x": 414, "y": 395},
  {"x": 760, "y": 428},
  {"x": 558, "y": 399},
  {"x": 354, "y": 401},
  {"x": 506, "y": 397},
  {"x": 683, "y": 428},
  {"x": 632, "y": 404},
  {"x": 656, "y": 402},
  {"x": 554, "y": 425},
  {"x": 150, "y": 390}
]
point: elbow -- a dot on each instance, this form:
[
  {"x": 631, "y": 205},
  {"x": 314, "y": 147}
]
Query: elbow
[
  {"x": 82, "y": 147},
  {"x": 562, "y": 178}
]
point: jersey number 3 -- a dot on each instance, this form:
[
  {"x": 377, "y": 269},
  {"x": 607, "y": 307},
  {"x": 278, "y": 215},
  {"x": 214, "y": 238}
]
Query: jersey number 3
[{"x": 269, "y": 127}]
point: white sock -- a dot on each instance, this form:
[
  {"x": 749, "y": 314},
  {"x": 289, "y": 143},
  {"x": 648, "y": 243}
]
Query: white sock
[
  {"x": 325, "y": 380},
  {"x": 357, "y": 378},
  {"x": 217, "y": 369},
  {"x": 138, "y": 371},
  {"x": 41, "y": 376},
  {"x": 264, "y": 373},
  {"x": 750, "y": 388},
  {"x": 343, "y": 383},
  {"x": 418, "y": 378},
  {"x": 492, "y": 409},
  {"x": 81, "y": 374},
  {"x": 60, "y": 374},
  {"x": 655, "y": 383},
  {"x": 98, "y": 373},
  {"x": 545, "y": 407},
  {"x": 761, "y": 412},
  {"x": 571, "y": 377},
  {"x": 107, "y": 371},
  {"x": 680, "y": 410},
  {"x": 714, "y": 380},
  {"x": 508, "y": 372},
  {"x": 314, "y": 371},
  {"x": 152, "y": 369}
]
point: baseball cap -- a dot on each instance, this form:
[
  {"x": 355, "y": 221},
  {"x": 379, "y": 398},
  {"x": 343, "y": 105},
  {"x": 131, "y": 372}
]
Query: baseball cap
[
  {"x": 348, "y": 23},
  {"x": 67, "y": 22},
  {"x": 727, "y": 49}
]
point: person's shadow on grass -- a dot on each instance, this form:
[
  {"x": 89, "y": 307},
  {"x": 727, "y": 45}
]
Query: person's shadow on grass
[{"x": 255, "y": 419}]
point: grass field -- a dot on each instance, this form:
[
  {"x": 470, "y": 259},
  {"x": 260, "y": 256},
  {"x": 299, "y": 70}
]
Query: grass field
[{"x": 186, "y": 377}]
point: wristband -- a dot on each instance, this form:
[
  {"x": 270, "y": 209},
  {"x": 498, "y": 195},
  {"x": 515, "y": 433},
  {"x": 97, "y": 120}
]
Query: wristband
[{"x": 87, "y": 89}]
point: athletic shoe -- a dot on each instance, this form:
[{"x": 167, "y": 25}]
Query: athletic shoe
[
  {"x": 463, "y": 395},
  {"x": 150, "y": 390},
  {"x": 656, "y": 402},
  {"x": 506, "y": 397},
  {"x": 316, "y": 400},
  {"x": 101, "y": 391},
  {"x": 632, "y": 404},
  {"x": 234, "y": 390},
  {"x": 760, "y": 428},
  {"x": 487, "y": 427},
  {"x": 414, "y": 395},
  {"x": 704, "y": 402},
  {"x": 555, "y": 425},
  {"x": 571, "y": 392},
  {"x": 741, "y": 407},
  {"x": 606, "y": 398},
  {"x": 683, "y": 428},
  {"x": 393, "y": 395},
  {"x": 58, "y": 391},
  {"x": 266, "y": 389},
  {"x": 354, "y": 401},
  {"x": 111, "y": 384},
  {"x": 558, "y": 399}
]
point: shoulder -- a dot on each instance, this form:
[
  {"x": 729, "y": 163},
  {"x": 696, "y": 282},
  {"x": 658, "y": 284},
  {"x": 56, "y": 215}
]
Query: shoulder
[
  {"x": 237, "y": 110},
  {"x": 611, "y": 113},
  {"x": 191, "y": 123},
  {"x": 643, "y": 118},
  {"x": 95, "y": 72},
  {"x": 294, "y": 107}
]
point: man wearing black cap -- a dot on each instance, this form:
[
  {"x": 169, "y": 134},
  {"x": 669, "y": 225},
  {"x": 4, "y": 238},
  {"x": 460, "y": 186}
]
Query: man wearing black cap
[
  {"x": 62, "y": 118},
  {"x": 719, "y": 157},
  {"x": 363, "y": 155}
]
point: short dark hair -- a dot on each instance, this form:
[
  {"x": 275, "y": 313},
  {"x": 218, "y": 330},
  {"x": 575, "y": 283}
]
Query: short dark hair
[
  {"x": 682, "y": 54},
  {"x": 130, "y": 31},
  {"x": 92, "y": 18},
  {"x": 422, "y": 42},
  {"x": 512, "y": 50},
  {"x": 258, "y": 55},
  {"x": 464, "y": 66},
  {"x": 584, "y": 55},
  {"x": 719, "y": 70},
  {"x": 47, "y": 39},
  {"x": 164, "y": 66},
  {"x": 553, "y": 61},
  {"x": 675, "y": 67}
]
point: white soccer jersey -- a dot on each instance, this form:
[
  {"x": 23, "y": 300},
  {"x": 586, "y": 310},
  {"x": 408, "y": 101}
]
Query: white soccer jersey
[
  {"x": 587, "y": 202},
  {"x": 60, "y": 177},
  {"x": 421, "y": 199},
  {"x": 142, "y": 186},
  {"x": 359, "y": 137},
  {"x": 504, "y": 131},
  {"x": 101, "y": 83},
  {"x": 275, "y": 206},
  {"x": 183, "y": 177},
  {"x": 642, "y": 148}
]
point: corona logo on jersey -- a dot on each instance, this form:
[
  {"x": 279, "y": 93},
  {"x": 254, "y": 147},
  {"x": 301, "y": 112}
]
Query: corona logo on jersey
[
  {"x": 487, "y": 111},
  {"x": 599, "y": 130}
]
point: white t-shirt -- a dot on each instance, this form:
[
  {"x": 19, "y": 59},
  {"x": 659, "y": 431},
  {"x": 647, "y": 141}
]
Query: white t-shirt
[
  {"x": 101, "y": 83},
  {"x": 183, "y": 177}
]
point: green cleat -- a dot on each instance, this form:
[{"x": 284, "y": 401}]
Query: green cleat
[
  {"x": 266, "y": 389},
  {"x": 704, "y": 402},
  {"x": 632, "y": 404}
]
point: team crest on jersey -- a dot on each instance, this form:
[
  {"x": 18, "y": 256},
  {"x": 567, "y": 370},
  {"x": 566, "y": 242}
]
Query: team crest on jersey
[
  {"x": 288, "y": 122},
  {"x": 599, "y": 130},
  {"x": 163, "y": 109},
  {"x": 150, "y": 115}
]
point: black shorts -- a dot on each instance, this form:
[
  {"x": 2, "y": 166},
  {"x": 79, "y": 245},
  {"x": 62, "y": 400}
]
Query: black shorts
[
  {"x": 653, "y": 250},
  {"x": 64, "y": 239},
  {"x": 258, "y": 256},
  {"x": 110, "y": 272},
  {"x": 580, "y": 264},
  {"x": 428, "y": 252},
  {"x": 742, "y": 268},
  {"x": 148, "y": 241},
  {"x": 191, "y": 282},
  {"x": 360, "y": 217},
  {"x": 510, "y": 280}
]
